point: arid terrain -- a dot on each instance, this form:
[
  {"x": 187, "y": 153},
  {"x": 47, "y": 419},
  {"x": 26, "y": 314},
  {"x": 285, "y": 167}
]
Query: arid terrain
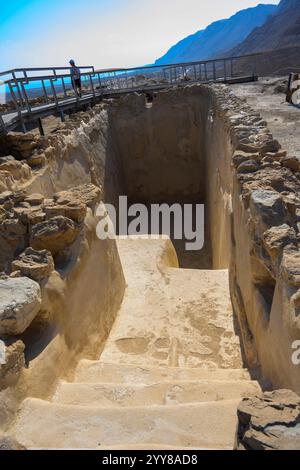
[{"x": 132, "y": 343}]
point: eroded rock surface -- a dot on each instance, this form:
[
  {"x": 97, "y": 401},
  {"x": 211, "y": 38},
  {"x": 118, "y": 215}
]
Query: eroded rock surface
[
  {"x": 34, "y": 264},
  {"x": 270, "y": 422},
  {"x": 33, "y": 220},
  {"x": 20, "y": 301},
  {"x": 54, "y": 234},
  {"x": 9, "y": 443},
  {"x": 12, "y": 362}
]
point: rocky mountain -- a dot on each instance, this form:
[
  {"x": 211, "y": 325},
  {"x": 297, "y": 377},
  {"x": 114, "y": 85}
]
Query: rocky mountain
[
  {"x": 219, "y": 36},
  {"x": 281, "y": 30}
]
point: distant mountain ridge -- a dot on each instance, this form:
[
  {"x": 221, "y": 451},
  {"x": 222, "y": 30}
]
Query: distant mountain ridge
[
  {"x": 281, "y": 30},
  {"x": 219, "y": 37}
]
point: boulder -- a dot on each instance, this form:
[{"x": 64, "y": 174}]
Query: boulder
[
  {"x": 18, "y": 170},
  {"x": 71, "y": 209},
  {"x": 267, "y": 208},
  {"x": 269, "y": 422},
  {"x": 6, "y": 181},
  {"x": 36, "y": 265},
  {"x": 54, "y": 234},
  {"x": 20, "y": 301},
  {"x": 293, "y": 163},
  {"x": 248, "y": 166},
  {"x": 88, "y": 194},
  {"x": 36, "y": 160},
  {"x": 276, "y": 238},
  {"x": 29, "y": 214},
  {"x": 34, "y": 199},
  {"x": 12, "y": 362},
  {"x": 13, "y": 235},
  {"x": 290, "y": 268}
]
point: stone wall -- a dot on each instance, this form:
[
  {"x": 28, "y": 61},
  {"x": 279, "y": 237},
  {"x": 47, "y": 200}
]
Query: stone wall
[
  {"x": 264, "y": 235},
  {"x": 162, "y": 147}
]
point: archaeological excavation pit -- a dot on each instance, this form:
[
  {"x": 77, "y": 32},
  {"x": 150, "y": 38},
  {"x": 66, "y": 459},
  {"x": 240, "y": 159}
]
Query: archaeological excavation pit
[
  {"x": 170, "y": 154},
  {"x": 143, "y": 329}
]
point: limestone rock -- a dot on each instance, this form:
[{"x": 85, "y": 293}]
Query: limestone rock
[
  {"x": 36, "y": 160},
  {"x": 9, "y": 443},
  {"x": 6, "y": 181},
  {"x": 276, "y": 238},
  {"x": 36, "y": 265},
  {"x": 12, "y": 362},
  {"x": 88, "y": 194},
  {"x": 12, "y": 239},
  {"x": 18, "y": 170},
  {"x": 241, "y": 157},
  {"x": 21, "y": 145},
  {"x": 54, "y": 234},
  {"x": 35, "y": 199},
  {"x": 293, "y": 163},
  {"x": 71, "y": 209},
  {"x": 13, "y": 196},
  {"x": 20, "y": 301},
  {"x": 269, "y": 422},
  {"x": 290, "y": 268},
  {"x": 267, "y": 208},
  {"x": 30, "y": 214},
  {"x": 248, "y": 166}
]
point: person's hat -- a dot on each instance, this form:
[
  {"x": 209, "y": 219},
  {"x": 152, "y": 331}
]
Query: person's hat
[{"x": 72, "y": 62}]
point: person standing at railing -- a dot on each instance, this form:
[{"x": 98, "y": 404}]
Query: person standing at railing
[{"x": 75, "y": 77}]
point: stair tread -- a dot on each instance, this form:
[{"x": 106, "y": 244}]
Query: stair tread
[
  {"x": 43, "y": 424},
  {"x": 164, "y": 393},
  {"x": 97, "y": 371}
]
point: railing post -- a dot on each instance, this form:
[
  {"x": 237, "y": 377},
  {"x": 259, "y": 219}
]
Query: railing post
[
  {"x": 40, "y": 126},
  {"x": 100, "y": 83},
  {"x": 64, "y": 87},
  {"x": 54, "y": 93},
  {"x": 18, "y": 89},
  {"x": 45, "y": 91},
  {"x": 225, "y": 71},
  {"x": 25, "y": 96},
  {"x": 255, "y": 66},
  {"x": 214, "y": 70},
  {"x": 2, "y": 125},
  {"x": 92, "y": 85},
  {"x": 18, "y": 109}
]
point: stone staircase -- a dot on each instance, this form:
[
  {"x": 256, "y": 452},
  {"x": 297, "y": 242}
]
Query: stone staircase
[{"x": 171, "y": 373}]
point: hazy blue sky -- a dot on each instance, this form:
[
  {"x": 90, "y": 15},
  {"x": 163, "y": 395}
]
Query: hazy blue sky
[{"x": 106, "y": 33}]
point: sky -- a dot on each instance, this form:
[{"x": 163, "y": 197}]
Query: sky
[{"x": 104, "y": 33}]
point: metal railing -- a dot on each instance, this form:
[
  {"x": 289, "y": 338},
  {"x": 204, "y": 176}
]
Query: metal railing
[{"x": 31, "y": 93}]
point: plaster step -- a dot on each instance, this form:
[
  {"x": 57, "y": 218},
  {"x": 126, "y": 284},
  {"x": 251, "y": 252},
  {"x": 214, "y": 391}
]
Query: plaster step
[
  {"x": 99, "y": 372},
  {"x": 165, "y": 393},
  {"x": 44, "y": 425}
]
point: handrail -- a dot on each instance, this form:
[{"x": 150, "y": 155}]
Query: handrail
[
  {"x": 52, "y": 90},
  {"x": 180, "y": 64},
  {"x": 123, "y": 69},
  {"x": 37, "y": 69}
]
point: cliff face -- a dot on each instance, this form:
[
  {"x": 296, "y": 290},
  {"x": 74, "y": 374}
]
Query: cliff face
[
  {"x": 280, "y": 30},
  {"x": 219, "y": 36}
]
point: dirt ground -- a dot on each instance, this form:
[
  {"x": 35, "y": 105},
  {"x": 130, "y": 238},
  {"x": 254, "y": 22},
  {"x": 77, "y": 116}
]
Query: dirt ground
[{"x": 268, "y": 97}]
